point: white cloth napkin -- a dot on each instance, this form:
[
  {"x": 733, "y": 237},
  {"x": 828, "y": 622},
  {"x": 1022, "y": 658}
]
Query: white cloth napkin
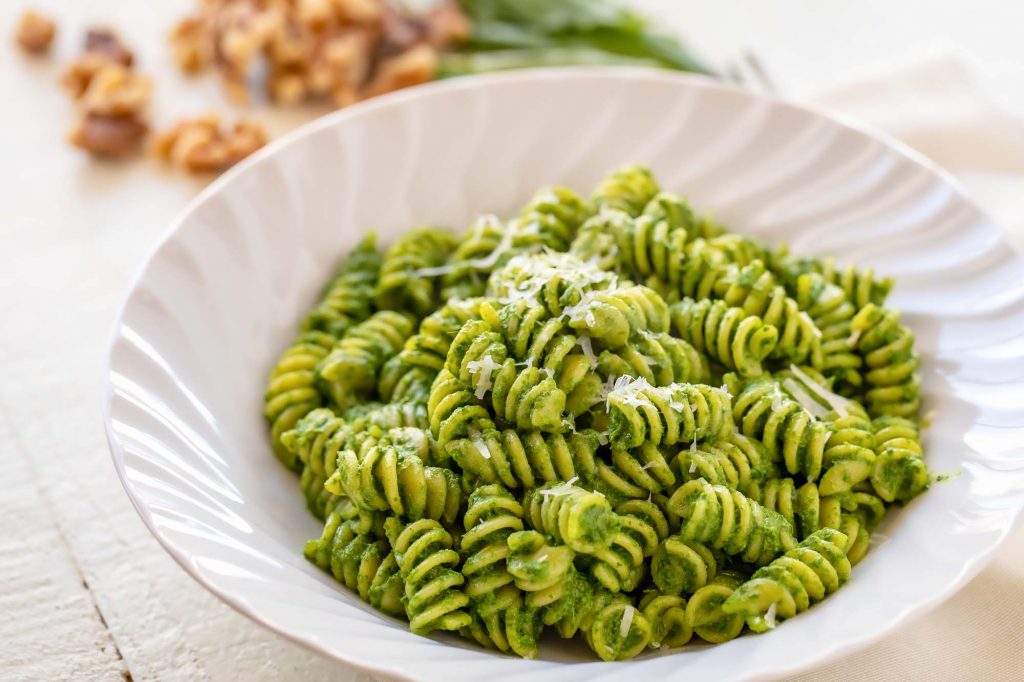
[{"x": 936, "y": 105}]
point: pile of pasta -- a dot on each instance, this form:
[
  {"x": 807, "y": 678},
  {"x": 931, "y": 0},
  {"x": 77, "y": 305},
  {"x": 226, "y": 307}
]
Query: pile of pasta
[{"x": 608, "y": 417}]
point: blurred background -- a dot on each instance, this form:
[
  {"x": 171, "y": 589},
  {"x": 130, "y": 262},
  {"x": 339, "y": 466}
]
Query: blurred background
[{"x": 87, "y": 593}]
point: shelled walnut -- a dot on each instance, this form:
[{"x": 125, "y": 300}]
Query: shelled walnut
[
  {"x": 202, "y": 144},
  {"x": 111, "y": 97},
  {"x": 35, "y": 33},
  {"x": 344, "y": 50}
]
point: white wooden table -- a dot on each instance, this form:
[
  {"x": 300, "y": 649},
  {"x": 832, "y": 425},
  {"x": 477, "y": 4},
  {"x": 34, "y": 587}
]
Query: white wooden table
[{"x": 85, "y": 592}]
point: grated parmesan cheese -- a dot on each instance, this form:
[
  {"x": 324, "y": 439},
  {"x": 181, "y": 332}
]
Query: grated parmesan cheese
[
  {"x": 816, "y": 409},
  {"x": 481, "y": 446},
  {"x": 563, "y": 489},
  {"x": 693, "y": 466},
  {"x": 481, "y": 371},
  {"x": 807, "y": 318},
  {"x": 586, "y": 345},
  {"x": 769, "y": 617},
  {"x": 837, "y": 402},
  {"x": 627, "y": 620}
]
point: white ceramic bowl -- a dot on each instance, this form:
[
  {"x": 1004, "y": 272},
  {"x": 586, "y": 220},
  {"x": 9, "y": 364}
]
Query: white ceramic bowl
[{"x": 225, "y": 289}]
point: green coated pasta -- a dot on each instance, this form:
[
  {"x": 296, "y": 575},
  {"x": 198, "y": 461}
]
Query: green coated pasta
[
  {"x": 355, "y": 363},
  {"x": 613, "y": 419},
  {"x": 666, "y": 415},
  {"x": 891, "y": 380},
  {"x": 349, "y": 298},
  {"x": 433, "y": 600},
  {"x": 579, "y": 518},
  {"x": 730, "y": 521},
  {"x": 805, "y": 574},
  {"x": 627, "y": 189},
  {"x": 727, "y": 335},
  {"x": 292, "y": 391},
  {"x": 667, "y": 615},
  {"x": 405, "y": 283}
]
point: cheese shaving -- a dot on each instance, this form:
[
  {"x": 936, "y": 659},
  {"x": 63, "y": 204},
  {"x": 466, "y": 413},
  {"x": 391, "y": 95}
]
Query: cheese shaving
[
  {"x": 816, "y": 409},
  {"x": 485, "y": 263},
  {"x": 837, "y": 402},
  {"x": 627, "y": 620},
  {"x": 769, "y": 617},
  {"x": 854, "y": 337},
  {"x": 810, "y": 323},
  {"x": 481, "y": 371},
  {"x": 586, "y": 345},
  {"x": 693, "y": 466},
  {"x": 481, "y": 446},
  {"x": 563, "y": 489}
]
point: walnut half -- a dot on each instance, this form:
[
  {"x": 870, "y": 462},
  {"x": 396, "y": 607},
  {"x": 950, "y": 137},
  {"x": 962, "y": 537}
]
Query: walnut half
[
  {"x": 35, "y": 33},
  {"x": 203, "y": 145}
]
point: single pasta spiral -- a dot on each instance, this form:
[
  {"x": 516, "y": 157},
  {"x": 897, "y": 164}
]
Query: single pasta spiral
[
  {"x": 291, "y": 391},
  {"x": 729, "y": 335},
  {"x": 628, "y": 189},
  {"x": 832, "y": 313},
  {"x": 426, "y": 560},
  {"x": 849, "y": 454},
  {"x": 512, "y": 629},
  {"x": 667, "y": 615},
  {"x": 803, "y": 575},
  {"x": 581, "y": 519},
  {"x": 528, "y": 398},
  {"x": 359, "y": 560},
  {"x": 404, "y": 284},
  {"x": 349, "y": 298},
  {"x": 610, "y": 316},
  {"x": 619, "y": 567},
  {"x": 493, "y": 514},
  {"x": 619, "y": 631},
  {"x": 899, "y": 471},
  {"x": 454, "y": 411},
  {"x": 764, "y": 412},
  {"x": 704, "y": 612},
  {"x": 541, "y": 570},
  {"x": 667, "y": 415},
  {"x": 526, "y": 460},
  {"x": 392, "y": 476},
  {"x": 681, "y": 566},
  {"x": 892, "y": 383},
  {"x": 730, "y": 521},
  {"x": 315, "y": 441},
  {"x": 354, "y": 364}
]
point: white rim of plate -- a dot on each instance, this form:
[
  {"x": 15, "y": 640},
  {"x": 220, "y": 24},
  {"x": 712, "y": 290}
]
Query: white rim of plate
[{"x": 971, "y": 567}]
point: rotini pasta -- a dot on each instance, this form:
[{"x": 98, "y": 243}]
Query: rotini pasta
[
  {"x": 349, "y": 298},
  {"x": 789, "y": 585},
  {"x": 611, "y": 418},
  {"x": 730, "y": 521},
  {"x": 628, "y": 189},
  {"x": 405, "y": 283},
  {"x": 423, "y": 551}
]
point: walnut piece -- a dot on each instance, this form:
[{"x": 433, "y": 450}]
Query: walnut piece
[
  {"x": 35, "y": 33},
  {"x": 203, "y": 145},
  {"x": 345, "y": 50},
  {"x": 111, "y": 97},
  {"x": 414, "y": 66},
  {"x": 115, "y": 90},
  {"x": 109, "y": 136},
  {"x": 103, "y": 41}
]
